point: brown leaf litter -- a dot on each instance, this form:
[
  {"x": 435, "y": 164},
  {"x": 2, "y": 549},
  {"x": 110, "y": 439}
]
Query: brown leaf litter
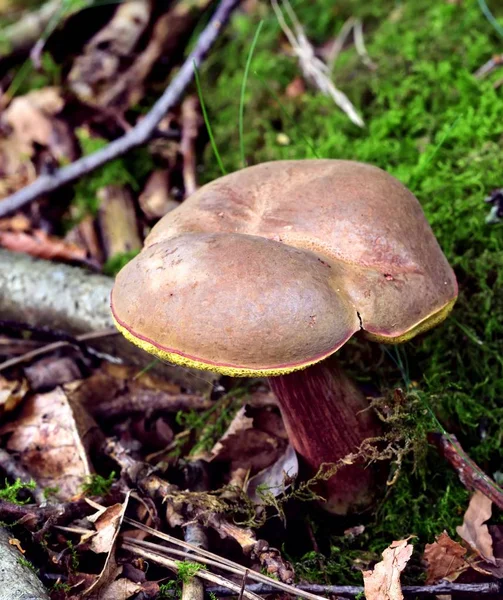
[{"x": 383, "y": 581}]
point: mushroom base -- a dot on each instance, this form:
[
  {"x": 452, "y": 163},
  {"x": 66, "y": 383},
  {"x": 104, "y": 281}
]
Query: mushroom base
[{"x": 327, "y": 418}]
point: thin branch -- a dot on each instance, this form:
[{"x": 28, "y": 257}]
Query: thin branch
[
  {"x": 223, "y": 563},
  {"x": 477, "y": 589},
  {"x": 92, "y": 335},
  {"x": 470, "y": 474},
  {"x": 175, "y": 565},
  {"x": 138, "y": 135}
]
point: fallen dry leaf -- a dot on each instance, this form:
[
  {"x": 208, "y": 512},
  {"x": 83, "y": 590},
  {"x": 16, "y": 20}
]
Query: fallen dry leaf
[
  {"x": 16, "y": 169},
  {"x": 276, "y": 478},
  {"x": 47, "y": 373},
  {"x": 239, "y": 423},
  {"x": 11, "y": 394},
  {"x": 383, "y": 581},
  {"x": 253, "y": 441},
  {"x": 120, "y": 589},
  {"x": 112, "y": 392},
  {"x": 41, "y": 245},
  {"x": 106, "y": 523},
  {"x": 32, "y": 120},
  {"x": 474, "y": 531},
  {"x": 445, "y": 559},
  {"x": 18, "y": 222},
  {"x": 52, "y": 437},
  {"x": 85, "y": 235}
]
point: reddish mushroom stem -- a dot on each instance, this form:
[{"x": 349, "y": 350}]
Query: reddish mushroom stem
[{"x": 327, "y": 418}]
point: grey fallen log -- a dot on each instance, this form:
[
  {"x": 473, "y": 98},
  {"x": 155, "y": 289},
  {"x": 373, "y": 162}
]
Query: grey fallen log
[
  {"x": 17, "y": 580},
  {"x": 71, "y": 299}
]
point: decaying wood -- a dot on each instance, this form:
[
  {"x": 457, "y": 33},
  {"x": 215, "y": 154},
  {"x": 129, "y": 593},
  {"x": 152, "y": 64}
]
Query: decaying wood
[
  {"x": 138, "y": 135},
  {"x": 470, "y": 474},
  {"x": 117, "y": 221},
  {"x": 17, "y": 580},
  {"x": 75, "y": 301}
]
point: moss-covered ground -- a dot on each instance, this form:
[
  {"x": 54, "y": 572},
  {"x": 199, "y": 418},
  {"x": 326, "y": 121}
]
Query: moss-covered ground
[{"x": 437, "y": 128}]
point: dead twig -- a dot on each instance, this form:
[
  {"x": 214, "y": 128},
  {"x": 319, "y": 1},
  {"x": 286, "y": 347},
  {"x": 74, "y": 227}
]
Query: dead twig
[
  {"x": 40, "y": 519},
  {"x": 175, "y": 565},
  {"x": 146, "y": 401},
  {"x": 350, "y": 591},
  {"x": 93, "y": 335},
  {"x": 470, "y": 474},
  {"x": 204, "y": 556},
  {"x": 138, "y": 135},
  {"x": 488, "y": 67}
]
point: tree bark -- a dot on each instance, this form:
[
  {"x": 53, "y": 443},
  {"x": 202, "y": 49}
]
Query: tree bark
[{"x": 70, "y": 299}]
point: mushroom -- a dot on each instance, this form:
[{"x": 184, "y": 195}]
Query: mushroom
[{"x": 268, "y": 271}]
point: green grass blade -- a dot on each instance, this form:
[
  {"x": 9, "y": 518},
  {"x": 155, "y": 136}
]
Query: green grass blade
[
  {"x": 490, "y": 17},
  {"x": 207, "y": 121},
  {"x": 243, "y": 89}
]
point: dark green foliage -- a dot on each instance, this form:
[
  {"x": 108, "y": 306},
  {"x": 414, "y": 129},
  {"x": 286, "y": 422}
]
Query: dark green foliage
[{"x": 437, "y": 128}]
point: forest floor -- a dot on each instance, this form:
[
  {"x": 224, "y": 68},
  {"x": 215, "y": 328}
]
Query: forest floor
[{"x": 428, "y": 120}]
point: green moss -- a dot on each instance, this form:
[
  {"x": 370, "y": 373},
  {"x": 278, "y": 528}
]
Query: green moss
[
  {"x": 10, "y": 492},
  {"x": 208, "y": 427},
  {"x": 97, "y": 485},
  {"x": 24, "y": 562},
  {"x": 115, "y": 263},
  {"x": 186, "y": 571},
  {"x": 74, "y": 557},
  {"x": 129, "y": 170},
  {"x": 437, "y": 128}
]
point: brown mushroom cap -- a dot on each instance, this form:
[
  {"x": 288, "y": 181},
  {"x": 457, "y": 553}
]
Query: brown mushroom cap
[{"x": 274, "y": 267}]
